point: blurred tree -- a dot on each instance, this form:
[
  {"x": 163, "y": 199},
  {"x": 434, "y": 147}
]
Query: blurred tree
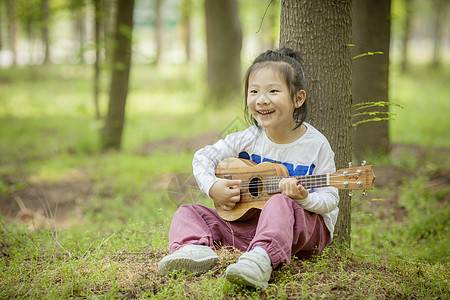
[
  {"x": 370, "y": 75},
  {"x": 108, "y": 28},
  {"x": 406, "y": 33},
  {"x": 77, "y": 9},
  {"x": 98, "y": 18},
  {"x": 440, "y": 7},
  {"x": 321, "y": 31},
  {"x": 224, "y": 44},
  {"x": 2, "y": 15},
  {"x": 111, "y": 136},
  {"x": 45, "y": 11},
  {"x": 158, "y": 30},
  {"x": 186, "y": 27},
  {"x": 13, "y": 24}
]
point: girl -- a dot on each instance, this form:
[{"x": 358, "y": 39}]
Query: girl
[{"x": 296, "y": 221}]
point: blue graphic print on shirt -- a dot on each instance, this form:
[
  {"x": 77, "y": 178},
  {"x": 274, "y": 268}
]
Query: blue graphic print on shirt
[{"x": 298, "y": 171}]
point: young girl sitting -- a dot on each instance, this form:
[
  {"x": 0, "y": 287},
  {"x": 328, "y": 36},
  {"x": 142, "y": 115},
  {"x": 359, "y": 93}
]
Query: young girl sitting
[{"x": 296, "y": 221}]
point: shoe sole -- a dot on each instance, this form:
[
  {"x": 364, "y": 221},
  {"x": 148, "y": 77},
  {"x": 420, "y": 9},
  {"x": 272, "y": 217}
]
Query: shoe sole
[
  {"x": 187, "y": 264},
  {"x": 235, "y": 276}
]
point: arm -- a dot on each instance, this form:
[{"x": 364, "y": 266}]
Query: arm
[
  {"x": 319, "y": 200},
  {"x": 224, "y": 192}
]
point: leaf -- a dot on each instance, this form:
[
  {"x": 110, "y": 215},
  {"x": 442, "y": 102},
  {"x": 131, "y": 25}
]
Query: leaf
[
  {"x": 373, "y": 113},
  {"x": 371, "y": 120},
  {"x": 367, "y": 54},
  {"x": 364, "y": 105}
]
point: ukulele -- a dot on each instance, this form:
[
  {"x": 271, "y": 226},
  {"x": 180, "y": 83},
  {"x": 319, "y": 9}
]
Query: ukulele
[{"x": 260, "y": 182}]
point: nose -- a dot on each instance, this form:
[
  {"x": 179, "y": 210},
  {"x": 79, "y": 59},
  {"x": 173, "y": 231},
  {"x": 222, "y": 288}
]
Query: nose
[{"x": 262, "y": 99}]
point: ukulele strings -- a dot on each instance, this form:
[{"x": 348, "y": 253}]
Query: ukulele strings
[{"x": 310, "y": 181}]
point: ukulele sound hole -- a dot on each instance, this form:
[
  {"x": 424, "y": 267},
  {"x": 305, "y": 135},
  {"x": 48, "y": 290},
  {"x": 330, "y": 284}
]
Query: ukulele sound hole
[{"x": 255, "y": 187}]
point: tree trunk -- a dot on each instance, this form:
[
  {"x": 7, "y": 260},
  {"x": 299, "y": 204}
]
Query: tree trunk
[
  {"x": 186, "y": 27},
  {"x": 158, "y": 31},
  {"x": 13, "y": 24},
  {"x": 224, "y": 44},
  {"x": 371, "y": 33},
  {"x": 439, "y": 17},
  {"x": 406, "y": 33},
  {"x": 1, "y": 25},
  {"x": 321, "y": 31},
  {"x": 112, "y": 131},
  {"x": 108, "y": 30},
  {"x": 97, "y": 32},
  {"x": 79, "y": 31},
  {"x": 45, "y": 30}
]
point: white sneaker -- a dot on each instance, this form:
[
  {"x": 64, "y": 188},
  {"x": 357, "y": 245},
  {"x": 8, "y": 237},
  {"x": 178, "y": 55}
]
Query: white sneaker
[
  {"x": 252, "y": 269},
  {"x": 191, "y": 258}
]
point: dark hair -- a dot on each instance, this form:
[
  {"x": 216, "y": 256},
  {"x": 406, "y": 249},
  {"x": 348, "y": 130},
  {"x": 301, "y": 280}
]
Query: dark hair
[{"x": 289, "y": 64}]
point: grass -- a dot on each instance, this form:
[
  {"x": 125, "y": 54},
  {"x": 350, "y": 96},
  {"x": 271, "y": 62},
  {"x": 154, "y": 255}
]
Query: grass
[{"x": 95, "y": 225}]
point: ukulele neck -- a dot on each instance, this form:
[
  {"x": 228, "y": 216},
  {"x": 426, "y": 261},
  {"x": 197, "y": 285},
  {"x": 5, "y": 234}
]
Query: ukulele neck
[{"x": 307, "y": 181}]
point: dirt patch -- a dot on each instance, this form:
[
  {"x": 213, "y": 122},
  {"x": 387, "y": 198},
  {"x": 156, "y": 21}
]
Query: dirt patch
[{"x": 44, "y": 202}]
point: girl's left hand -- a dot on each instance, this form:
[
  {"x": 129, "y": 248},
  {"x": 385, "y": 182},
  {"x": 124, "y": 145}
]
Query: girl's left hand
[{"x": 290, "y": 188}]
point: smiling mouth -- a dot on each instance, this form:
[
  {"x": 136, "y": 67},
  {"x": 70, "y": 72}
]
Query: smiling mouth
[{"x": 265, "y": 112}]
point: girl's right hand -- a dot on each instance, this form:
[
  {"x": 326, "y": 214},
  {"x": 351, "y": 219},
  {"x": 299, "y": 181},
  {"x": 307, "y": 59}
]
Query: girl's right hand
[{"x": 226, "y": 193}]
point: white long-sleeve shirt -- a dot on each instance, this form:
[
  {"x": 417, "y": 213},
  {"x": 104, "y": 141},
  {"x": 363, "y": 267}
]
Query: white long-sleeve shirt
[{"x": 311, "y": 154}]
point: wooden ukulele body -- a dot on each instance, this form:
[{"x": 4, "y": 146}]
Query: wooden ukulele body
[{"x": 254, "y": 193}]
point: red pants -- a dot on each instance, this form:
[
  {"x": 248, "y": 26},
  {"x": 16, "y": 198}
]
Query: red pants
[{"x": 283, "y": 228}]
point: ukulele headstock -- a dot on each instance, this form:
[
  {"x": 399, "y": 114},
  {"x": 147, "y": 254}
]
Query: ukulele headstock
[{"x": 353, "y": 178}]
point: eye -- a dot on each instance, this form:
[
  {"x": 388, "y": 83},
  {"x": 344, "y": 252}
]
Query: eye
[
  {"x": 252, "y": 91},
  {"x": 274, "y": 91}
]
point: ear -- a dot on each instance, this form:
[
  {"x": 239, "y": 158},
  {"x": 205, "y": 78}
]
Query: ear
[{"x": 301, "y": 97}]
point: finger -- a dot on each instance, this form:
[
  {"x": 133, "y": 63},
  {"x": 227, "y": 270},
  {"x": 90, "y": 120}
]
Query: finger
[
  {"x": 229, "y": 206},
  {"x": 225, "y": 207},
  {"x": 233, "y": 183},
  {"x": 235, "y": 199}
]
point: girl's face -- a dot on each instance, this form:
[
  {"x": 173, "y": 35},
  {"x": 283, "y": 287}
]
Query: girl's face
[{"x": 270, "y": 103}]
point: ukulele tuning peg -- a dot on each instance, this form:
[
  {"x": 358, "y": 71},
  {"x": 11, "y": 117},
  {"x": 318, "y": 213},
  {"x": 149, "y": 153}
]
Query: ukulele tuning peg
[
  {"x": 351, "y": 193},
  {"x": 364, "y": 193},
  {"x": 363, "y": 163}
]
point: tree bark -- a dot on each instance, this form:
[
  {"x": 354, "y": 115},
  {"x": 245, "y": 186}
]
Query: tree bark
[
  {"x": 114, "y": 123},
  {"x": 321, "y": 31},
  {"x": 224, "y": 44},
  {"x": 158, "y": 31},
  {"x": 98, "y": 17},
  {"x": 406, "y": 33},
  {"x": 13, "y": 24},
  {"x": 186, "y": 27},
  {"x": 439, "y": 17},
  {"x": 371, "y": 33},
  {"x": 45, "y": 30}
]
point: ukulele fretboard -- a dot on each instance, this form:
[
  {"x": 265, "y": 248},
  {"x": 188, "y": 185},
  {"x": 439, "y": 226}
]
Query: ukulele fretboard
[{"x": 308, "y": 182}]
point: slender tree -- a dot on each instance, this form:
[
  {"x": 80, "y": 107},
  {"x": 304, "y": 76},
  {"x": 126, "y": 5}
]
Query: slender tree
[
  {"x": 45, "y": 29},
  {"x": 98, "y": 17},
  {"x": 371, "y": 33},
  {"x": 405, "y": 36},
  {"x": 13, "y": 28},
  {"x": 114, "y": 123},
  {"x": 224, "y": 44},
  {"x": 1, "y": 24},
  {"x": 321, "y": 31},
  {"x": 158, "y": 30},
  {"x": 440, "y": 7},
  {"x": 186, "y": 27}
]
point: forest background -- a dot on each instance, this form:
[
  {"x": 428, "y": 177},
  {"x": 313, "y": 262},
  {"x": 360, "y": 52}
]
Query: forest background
[{"x": 82, "y": 221}]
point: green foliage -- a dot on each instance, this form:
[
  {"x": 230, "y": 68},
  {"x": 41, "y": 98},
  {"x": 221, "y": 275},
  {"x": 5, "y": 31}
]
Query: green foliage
[
  {"x": 360, "y": 107},
  {"x": 424, "y": 95}
]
